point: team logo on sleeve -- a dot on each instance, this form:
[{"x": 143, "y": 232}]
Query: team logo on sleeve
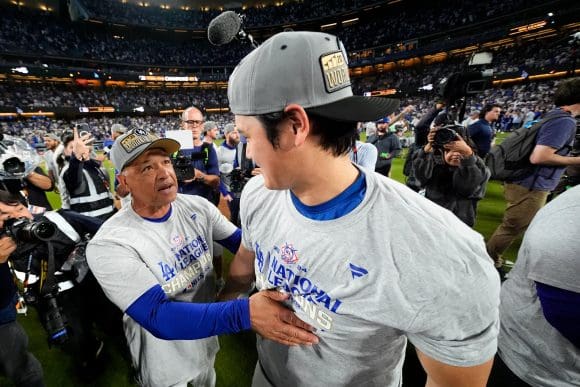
[{"x": 288, "y": 254}]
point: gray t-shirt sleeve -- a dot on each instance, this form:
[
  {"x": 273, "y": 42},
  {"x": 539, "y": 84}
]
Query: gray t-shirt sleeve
[
  {"x": 555, "y": 250},
  {"x": 367, "y": 155},
  {"x": 222, "y": 228},
  {"x": 459, "y": 323},
  {"x": 248, "y": 194},
  {"x": 123, "y": 276}
]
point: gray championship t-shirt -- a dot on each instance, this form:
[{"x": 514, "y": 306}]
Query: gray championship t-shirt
[
  {"x": 550, "y": 253},
  {"x": 129, "y": 255},
  {"x": 397, "y": 267}
]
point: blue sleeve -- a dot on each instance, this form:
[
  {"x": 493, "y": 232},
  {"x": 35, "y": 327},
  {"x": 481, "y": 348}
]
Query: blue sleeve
[
  {"x": 212, "y": 162},
  {"x": 73, "y": 176},
  {"x": 223, "y": 190},
  {"x": 174, "y": 320},
  {"x": 557, "y": 132},
  {"x": 232, "y": 243},
  {"x": 561, "y": 309}
]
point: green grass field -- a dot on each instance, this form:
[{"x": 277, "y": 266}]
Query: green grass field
[{"x": 237, "y": 357}]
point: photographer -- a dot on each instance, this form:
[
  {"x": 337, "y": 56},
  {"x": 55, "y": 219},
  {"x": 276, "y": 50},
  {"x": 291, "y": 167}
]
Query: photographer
[
  {"x": 84, "y": 186},
  {"x": 453, "y": 175},
  {"x": 49, "y": 250},
  {"x": 19, "y": 365},
  {"x": 21, "y": 175},
  {"x": 197, "y": 169}
]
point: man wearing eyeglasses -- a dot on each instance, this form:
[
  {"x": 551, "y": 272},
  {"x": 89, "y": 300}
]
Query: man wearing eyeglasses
[{"x": 203, "y": 157}]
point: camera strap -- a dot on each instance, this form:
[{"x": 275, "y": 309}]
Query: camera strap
[{"x": 48, "y": 282}]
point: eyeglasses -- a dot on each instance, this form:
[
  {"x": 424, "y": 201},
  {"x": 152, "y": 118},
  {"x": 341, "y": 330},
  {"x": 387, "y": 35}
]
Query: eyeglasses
[{"x": 194, "y": 123}]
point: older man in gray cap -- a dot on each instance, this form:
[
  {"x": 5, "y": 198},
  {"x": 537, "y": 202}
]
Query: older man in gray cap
[{"x": 153, "y": 259}]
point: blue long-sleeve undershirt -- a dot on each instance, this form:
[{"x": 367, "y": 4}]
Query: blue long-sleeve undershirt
[
  {"x": 561, "y": 309},
  {"x": 174, "y": 320}
]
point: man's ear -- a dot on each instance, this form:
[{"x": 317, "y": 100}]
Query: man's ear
[
  {"x": 123, "y": 180},
  {"x": 298, "y": 119}
]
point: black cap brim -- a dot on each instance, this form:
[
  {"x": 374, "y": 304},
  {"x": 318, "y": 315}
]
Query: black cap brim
[{"x": 357, "y": 108}]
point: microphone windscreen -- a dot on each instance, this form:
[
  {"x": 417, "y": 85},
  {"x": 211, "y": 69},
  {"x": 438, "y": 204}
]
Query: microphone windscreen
[{"x": 224, "y": 28}]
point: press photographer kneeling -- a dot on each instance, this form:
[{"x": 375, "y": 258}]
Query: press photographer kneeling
[{"x": 48, "y": 252}]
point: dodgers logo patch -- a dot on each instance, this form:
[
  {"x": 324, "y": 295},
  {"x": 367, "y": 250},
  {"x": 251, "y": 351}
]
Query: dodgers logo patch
[{"x": 288, "y": 254}]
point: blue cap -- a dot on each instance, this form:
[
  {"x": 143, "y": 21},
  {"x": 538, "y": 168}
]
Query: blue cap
[{"x": 384, "y": 120}]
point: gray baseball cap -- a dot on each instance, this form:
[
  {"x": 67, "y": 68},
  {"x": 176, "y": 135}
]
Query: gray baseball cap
[
  {"x": 132, "y": 144},
  {"x": 306, "y": 68},
  {"x": 118, "y": 128},
  {"x": 228, "y": 128}
]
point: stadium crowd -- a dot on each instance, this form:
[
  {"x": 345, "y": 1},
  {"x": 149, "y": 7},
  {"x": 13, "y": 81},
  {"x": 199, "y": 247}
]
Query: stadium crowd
[
  {"x": 400, "y": 27},
  {"x": 62, "y": 38},
  {"x": 415, "y": 283}
]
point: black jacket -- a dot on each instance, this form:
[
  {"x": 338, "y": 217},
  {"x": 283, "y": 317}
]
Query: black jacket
[{"x": 456, "y": 188}]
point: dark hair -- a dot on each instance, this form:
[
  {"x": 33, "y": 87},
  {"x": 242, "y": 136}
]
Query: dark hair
[
  {"x": 338, "y": 137},
  {"x": 10, "y": 198},
  {"x": 66, "y": 138},
  {"x": 568, "y": 92},
  {"x": 487, "y": 108}
]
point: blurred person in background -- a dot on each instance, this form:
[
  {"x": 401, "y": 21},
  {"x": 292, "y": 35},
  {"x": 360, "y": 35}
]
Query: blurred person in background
[{"x": 85, "y": 186}]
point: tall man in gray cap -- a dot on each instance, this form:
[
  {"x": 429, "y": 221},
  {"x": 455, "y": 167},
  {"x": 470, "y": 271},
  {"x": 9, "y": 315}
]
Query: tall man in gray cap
[
  {"x": 153, "y": 259},
  {"x": 329, "y": 234}
]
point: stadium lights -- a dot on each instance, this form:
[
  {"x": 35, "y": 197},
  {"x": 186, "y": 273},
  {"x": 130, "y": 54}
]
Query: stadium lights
[
  {"x": 350, "y": 21},
  {"x": 527, "y": 27},
  {"x": 20, "y": 70},
  {"x": 550, "y": 14},
  {"x": 326, "y": 26}
]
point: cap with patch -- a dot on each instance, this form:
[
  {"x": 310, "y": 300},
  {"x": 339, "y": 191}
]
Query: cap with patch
[
  {"x": 383, "y": 120},
  {"x": 306, "y": 68},
  {"x": 132, "y": 144},
  {"x": 229, "y": 128}
]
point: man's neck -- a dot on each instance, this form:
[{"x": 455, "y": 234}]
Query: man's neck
[
  {"x": 150, "y": 211},
  {"x": 329, "y": 178},
  {"x": 197, "y": 142}
]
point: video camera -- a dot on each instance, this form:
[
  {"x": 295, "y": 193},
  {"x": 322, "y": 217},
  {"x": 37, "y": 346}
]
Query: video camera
[{"x": 183, "y": 168}]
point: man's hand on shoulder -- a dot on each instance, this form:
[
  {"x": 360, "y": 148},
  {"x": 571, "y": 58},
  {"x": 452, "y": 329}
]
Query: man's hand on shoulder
[{"x": 271, "y": 320}]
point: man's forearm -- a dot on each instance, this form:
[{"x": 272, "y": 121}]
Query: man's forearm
[{"x": 241, "y": 274}]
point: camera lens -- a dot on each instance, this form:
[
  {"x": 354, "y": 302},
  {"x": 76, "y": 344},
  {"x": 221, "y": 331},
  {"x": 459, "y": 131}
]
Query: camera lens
[{"x": 13, "y": 165}]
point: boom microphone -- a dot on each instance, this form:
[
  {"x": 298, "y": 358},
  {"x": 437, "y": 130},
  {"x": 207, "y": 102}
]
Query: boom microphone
[{"x": 224, "y": 28}]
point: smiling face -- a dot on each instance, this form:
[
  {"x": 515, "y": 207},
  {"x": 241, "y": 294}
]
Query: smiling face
[
  {"x": 453, "y": 158},
  {"x": 152, "y": 183},
  {"x": 276, "y": 164}
]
